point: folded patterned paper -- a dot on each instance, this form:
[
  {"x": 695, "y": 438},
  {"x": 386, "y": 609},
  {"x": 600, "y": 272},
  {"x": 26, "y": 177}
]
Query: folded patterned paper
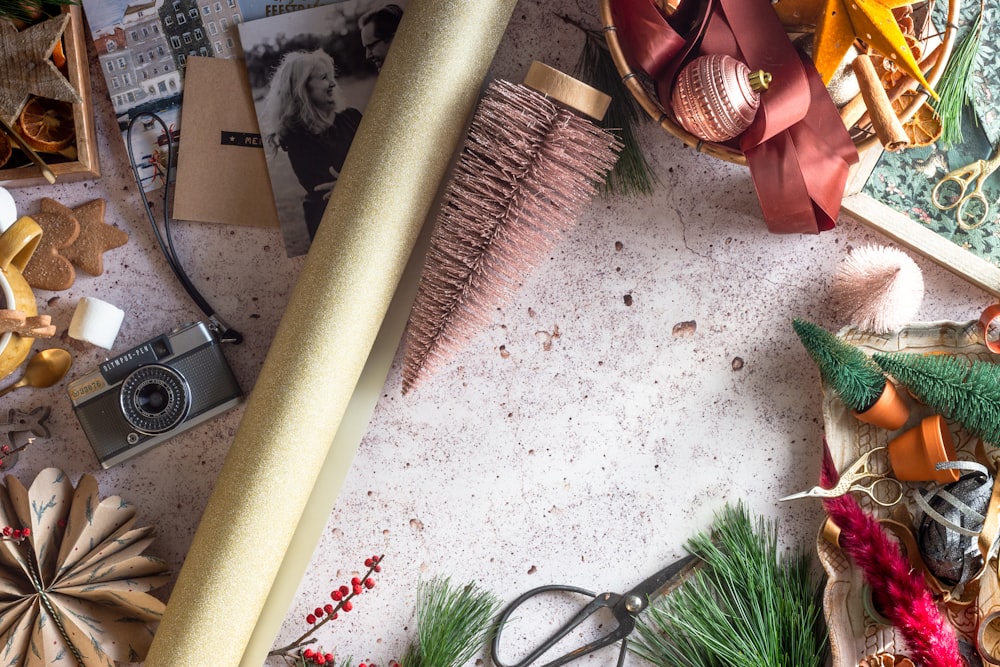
[{"x": 73, "y": 578}]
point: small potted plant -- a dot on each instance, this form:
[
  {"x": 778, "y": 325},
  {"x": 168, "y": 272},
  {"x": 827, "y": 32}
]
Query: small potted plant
[{"x": 856, "y": 379}]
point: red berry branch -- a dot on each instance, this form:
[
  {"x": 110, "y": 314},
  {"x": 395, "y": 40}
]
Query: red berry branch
[
  {"x": 10, "y": 534},
  {"x": 297, "y": 652},
  {"x": 6, "y": 450}
]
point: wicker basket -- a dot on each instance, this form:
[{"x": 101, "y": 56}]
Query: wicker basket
[{"x": 642, "y": 89}]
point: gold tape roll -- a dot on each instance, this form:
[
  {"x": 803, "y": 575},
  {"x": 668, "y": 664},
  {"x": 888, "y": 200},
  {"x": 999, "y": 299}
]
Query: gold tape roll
[
  {"x": 411, "y": 128},
  {"x": 988, "y": 634},
  {"x": 568, "y": 91}
]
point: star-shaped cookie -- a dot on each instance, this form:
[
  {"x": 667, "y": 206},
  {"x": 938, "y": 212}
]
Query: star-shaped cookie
[
  {"x": 96, "y": 237},
  {"x": 871, "y": 21},
  {"x": 25, "y": 67}
]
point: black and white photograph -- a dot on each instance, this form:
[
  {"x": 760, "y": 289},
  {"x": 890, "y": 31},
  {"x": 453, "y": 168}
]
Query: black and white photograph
[{"x": 311, "y": 73}]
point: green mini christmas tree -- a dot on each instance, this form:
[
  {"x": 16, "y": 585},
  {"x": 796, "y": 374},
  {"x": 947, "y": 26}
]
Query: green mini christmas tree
[
  {"x": 846, "y": 369},
  {"x": 963, "y": 390}
]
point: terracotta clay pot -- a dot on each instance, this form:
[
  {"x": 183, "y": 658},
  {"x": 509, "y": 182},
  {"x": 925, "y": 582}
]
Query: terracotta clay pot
[
  {"x": 890, "y": 411},
  {"x": 16, "y": 247},
  {"x": 914, "y": 454}
]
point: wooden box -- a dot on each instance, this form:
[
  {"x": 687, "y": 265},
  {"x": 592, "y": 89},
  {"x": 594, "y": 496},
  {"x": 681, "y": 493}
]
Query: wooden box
[{"x": 85, "y": 165}]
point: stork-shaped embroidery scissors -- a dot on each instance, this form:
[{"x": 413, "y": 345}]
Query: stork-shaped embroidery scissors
[
  {"x": 860, "y": 476},
  {"x": 624, "y": 606},
  {"x": 962, "y": 189}
]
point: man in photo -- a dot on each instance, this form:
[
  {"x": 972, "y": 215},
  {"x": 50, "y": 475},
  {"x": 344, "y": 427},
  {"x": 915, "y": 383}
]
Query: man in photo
[{"x": 378, "y": 27}]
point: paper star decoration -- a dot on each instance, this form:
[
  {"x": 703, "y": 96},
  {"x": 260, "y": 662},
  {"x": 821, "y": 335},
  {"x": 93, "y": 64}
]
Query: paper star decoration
[
  {"x": 871, "y": 21},
  {"x": 25, "y": 67}
]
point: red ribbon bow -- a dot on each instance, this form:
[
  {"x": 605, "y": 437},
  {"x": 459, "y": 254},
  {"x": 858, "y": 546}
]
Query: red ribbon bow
[{"x": 797, "y": 148}]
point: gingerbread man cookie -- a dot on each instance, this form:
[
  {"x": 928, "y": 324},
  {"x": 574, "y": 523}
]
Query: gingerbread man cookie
[
  {"x": 36, "y": 326},
  {"x": 47, "y": 269}
]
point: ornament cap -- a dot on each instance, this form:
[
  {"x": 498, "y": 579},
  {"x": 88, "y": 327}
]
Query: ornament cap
[
  {"x": 760, "y": 80},
  {"x": 566, "y": 90}
]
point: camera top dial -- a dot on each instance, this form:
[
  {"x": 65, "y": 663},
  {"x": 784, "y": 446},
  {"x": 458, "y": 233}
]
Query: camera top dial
[{"x": 155, "y": 399}]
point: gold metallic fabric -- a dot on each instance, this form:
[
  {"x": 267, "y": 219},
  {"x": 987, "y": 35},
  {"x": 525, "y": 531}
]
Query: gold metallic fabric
[{"x": 411, "y": 127}]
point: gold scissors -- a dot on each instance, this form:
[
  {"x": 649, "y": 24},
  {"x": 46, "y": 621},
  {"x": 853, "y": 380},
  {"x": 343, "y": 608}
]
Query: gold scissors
[
  {"x": 954, "y": 192},
  {"x": 850, "y": 480}
]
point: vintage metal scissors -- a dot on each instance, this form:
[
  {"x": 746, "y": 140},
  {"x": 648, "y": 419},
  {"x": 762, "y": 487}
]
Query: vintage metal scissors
[
  {"x": 956, "y": 191},
  {"x": 852, "y": 478},
  {"x": 625, "y": 607}
]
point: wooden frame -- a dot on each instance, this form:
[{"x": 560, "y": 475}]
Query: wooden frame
[
  {"x": 911, "y": 234},
  {"x": 85, "y": 166}
]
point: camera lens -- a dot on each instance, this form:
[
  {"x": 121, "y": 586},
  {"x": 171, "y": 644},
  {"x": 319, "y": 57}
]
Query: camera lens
[{"x": 155, "y": 399}]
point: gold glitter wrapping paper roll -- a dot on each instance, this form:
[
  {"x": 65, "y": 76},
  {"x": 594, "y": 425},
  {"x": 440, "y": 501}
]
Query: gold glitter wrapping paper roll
[{"x": 411, "y": 128}]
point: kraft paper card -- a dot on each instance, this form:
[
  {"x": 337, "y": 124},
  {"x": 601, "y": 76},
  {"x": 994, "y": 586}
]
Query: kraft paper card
[{"x": 221, "y": 169}]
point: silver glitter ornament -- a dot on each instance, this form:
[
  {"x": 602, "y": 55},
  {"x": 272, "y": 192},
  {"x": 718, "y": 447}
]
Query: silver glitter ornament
[{"x": 716, "y": 97}]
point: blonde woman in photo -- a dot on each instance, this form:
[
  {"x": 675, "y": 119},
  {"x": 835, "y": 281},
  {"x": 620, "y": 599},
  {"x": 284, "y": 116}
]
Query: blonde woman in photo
[{"x": 306, "y": 118}]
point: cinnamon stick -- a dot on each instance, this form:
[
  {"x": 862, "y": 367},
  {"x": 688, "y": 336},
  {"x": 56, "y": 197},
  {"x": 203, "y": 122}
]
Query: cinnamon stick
[
  {"x": 887, "y": 126},
  {"x": 907, "y": 83}
]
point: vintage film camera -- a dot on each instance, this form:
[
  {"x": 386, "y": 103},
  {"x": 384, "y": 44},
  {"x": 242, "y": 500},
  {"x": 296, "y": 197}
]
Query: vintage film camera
[{"x": 153, "y": 392}]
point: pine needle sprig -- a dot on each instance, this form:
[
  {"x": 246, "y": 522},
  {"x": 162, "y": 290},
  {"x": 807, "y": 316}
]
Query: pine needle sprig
[
  {"x": 745, "y": 606},
  {"x": 966, "y": 391},
  {"x": 632, "y": 175},
  {"x": 955, "y": 89},
  {"x": 849, "y": 371},
  {"x": 30, "y": 11},
  {"x": 452, "y": 624}
]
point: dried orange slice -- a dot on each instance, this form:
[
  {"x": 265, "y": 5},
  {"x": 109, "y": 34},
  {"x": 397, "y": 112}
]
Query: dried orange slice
[
  {"x": 5, "y": 149},
  {"x": 47, "y": 125},
  {"x": 59, "y": 55},
  {"x": 924, "y": 128}
]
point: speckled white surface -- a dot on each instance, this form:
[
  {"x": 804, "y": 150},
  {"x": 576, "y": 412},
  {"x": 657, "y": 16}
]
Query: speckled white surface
[{"x": 580, "y": 439}]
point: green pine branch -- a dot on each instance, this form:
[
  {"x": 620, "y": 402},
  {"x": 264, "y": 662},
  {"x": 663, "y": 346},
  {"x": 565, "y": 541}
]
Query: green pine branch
[
  {"x": 746, "y": 605},
  {"x": 846, "y": 369},
  {"x": 632, "y": 174},
  {"x": 452, "y": 624},
  {"x": 955, "y": 89},
  {"x": 29, "y": 11},
  {"x": 966, "y": 391}
]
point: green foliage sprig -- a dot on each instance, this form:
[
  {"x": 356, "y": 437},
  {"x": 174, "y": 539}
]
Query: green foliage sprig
[
  {"x": 966, "y": 391},
  {"x": 632, "y": 174},
  {"x": 955, "y": 88},
  {"x": 745, "y": 605},
  {"x": 29, "y": 11},
  {"x": 849, "y": 371},
  {"x": 452, "y": 624}
]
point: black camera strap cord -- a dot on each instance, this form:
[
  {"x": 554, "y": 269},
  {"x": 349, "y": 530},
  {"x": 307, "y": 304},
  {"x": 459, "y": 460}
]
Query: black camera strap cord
[{"x": 223, "y": 331}]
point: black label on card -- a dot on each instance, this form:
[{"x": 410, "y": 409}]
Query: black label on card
[{"x": 241, "y": 139}]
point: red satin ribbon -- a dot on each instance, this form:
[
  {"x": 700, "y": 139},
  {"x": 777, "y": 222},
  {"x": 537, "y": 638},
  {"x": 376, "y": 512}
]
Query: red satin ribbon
[{"x": 797, "y": 148}]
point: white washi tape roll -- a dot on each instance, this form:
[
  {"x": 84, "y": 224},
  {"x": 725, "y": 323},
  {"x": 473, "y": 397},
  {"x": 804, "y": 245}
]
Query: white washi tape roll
[{"x": 96, "y": 322}]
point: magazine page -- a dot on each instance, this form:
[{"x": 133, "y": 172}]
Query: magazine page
[
  {"x": 312, "y": 72},
  {"x": 143, "y": 49}
]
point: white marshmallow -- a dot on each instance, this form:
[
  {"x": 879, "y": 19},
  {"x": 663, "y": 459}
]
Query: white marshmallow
[
  {"x": 8, "y": 210},
  {"x": 96, "y": 322}
]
